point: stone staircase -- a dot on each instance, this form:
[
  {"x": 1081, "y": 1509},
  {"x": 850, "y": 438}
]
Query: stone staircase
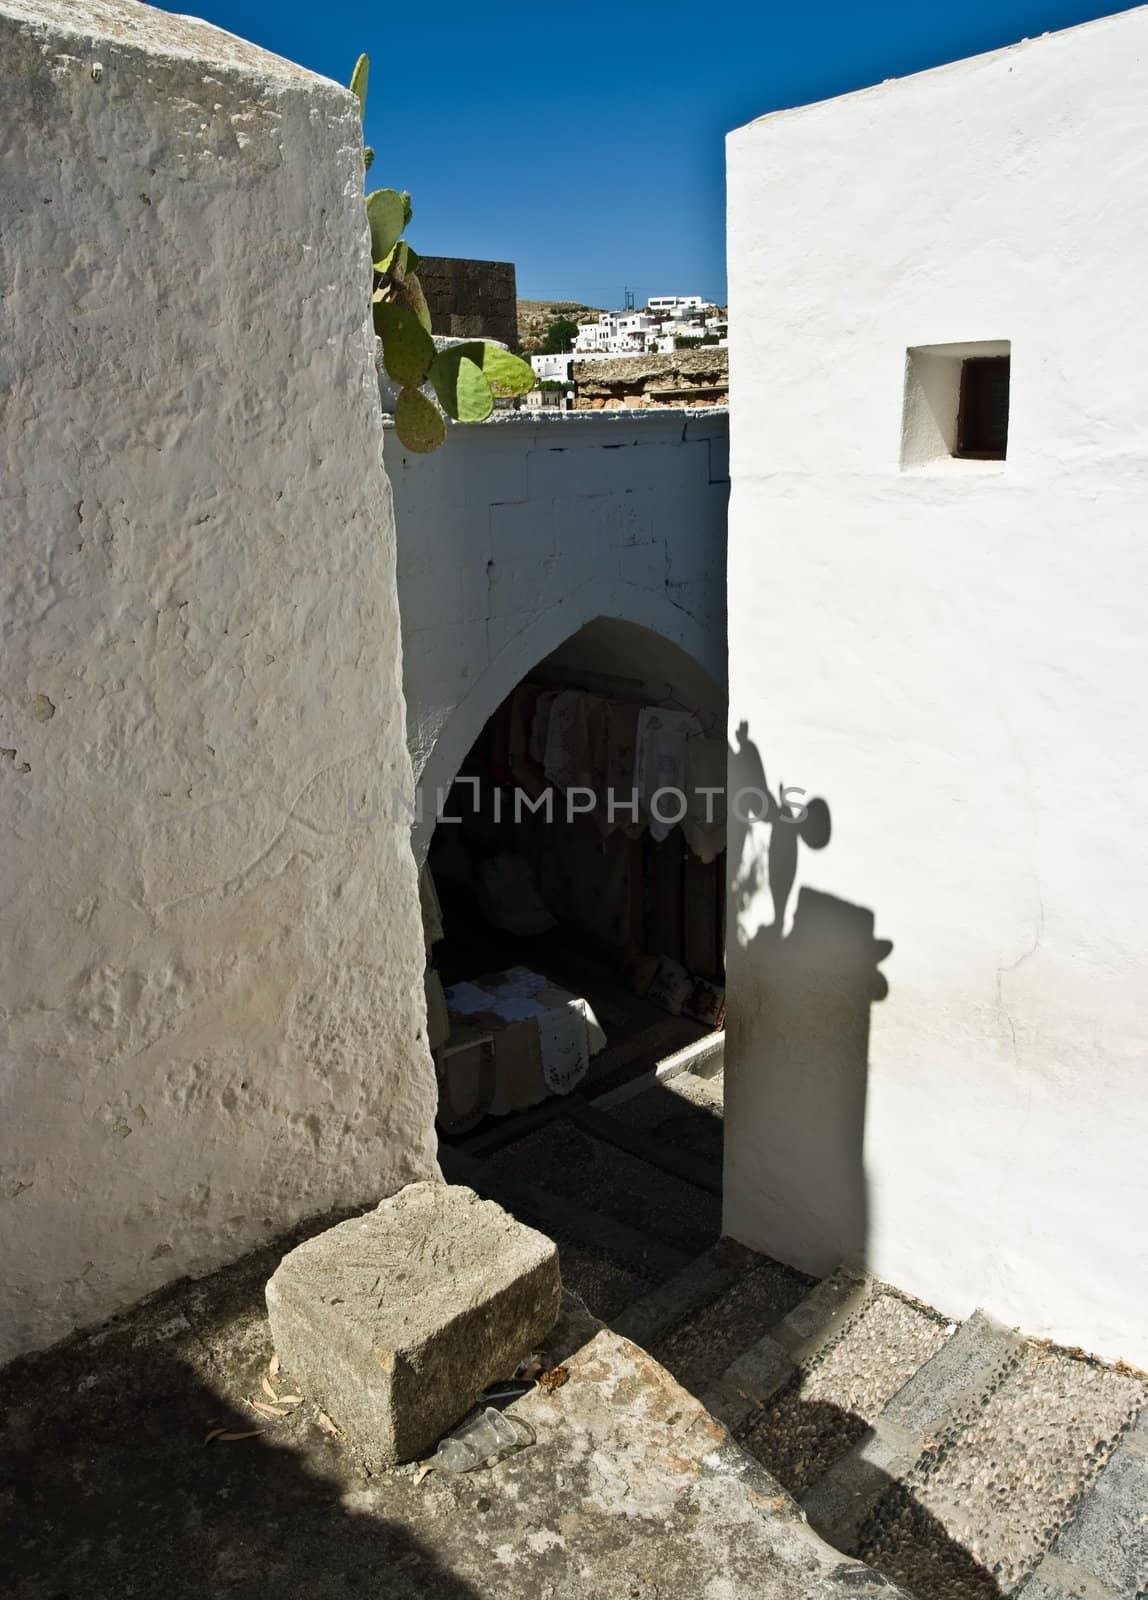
[{"x": 962, "y": 1462}]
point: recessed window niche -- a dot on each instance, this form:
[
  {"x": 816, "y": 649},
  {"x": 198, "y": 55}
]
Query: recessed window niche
[{"x": 956, "y": 403}]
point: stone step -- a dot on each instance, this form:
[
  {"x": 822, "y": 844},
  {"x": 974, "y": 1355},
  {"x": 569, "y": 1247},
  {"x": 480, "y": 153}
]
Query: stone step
[
  {"x": 699, "y": 1283},
  {"x": 754, "y": 1376},
  {"x": 577, "y": 1167},
  {"x": 941, "y": 1396},
  {"x": 607, "y": 1263},
  {"x": 799, "y": 1410},
  {"x": 710, "y": 1312},
  {"x": 948, "y": 1459},
  {"x": 699, "y": 1350},
  {"x": 705, "y": 1058},
  {"x": 650, "y": 1142},
  {"x": 627, "y": 1207},
  {"x": 991, "y": 1492},
  {"x": 1102, "y": 1552},
  {"x": 682, "y": 1114}
]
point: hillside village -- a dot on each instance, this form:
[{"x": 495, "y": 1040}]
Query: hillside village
[{"x": 671, "y": 352}]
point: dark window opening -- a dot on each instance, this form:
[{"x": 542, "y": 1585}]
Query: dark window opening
[{"x": 982, "y": 420}]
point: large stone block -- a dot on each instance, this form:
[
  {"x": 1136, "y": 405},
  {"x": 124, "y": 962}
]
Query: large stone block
[{"x": 394, "y": 1322}]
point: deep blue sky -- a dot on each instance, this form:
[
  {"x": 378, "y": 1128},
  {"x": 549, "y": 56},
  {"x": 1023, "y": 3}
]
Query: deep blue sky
[{"x": 585, "y": 142}]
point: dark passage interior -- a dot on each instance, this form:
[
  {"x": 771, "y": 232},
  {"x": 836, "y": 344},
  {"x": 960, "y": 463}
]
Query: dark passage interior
[{"x": 574, "y": 929}]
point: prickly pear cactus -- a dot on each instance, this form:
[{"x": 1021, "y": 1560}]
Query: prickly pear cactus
[
  {"x": 359, "y": 87},
  {"x": 408, "y": 349},
  {"x": 466, "y": 378},
  {"x": 460, "y": 383},
  {"x": 418, "y": 421}
]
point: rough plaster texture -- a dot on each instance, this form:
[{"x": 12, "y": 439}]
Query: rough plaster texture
[
  {"x": 955, "y": 656},
  {"x": 518, "y": 533},
  {"x": 211, "y": 978},
  {"x": 395, "y": 1322}
]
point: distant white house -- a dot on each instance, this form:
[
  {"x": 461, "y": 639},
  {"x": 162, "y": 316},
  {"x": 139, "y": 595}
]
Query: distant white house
[
  {"x": 665, "y": 319},
  {"x": 552, "y": 368},
  {"x": 676, "y": 305},
  {"x": 671, "y": 332},
  {"x": 616, "y": 333}
]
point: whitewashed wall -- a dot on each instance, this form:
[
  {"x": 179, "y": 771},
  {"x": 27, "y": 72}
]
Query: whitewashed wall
[
  {"x": 211, "y": 978},
  {"x": 956, "y": 656},
  {"x": 518, "y": 533}
]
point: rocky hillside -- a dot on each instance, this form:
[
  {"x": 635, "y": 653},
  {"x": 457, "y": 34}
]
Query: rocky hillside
[{"x": 535, "y": 317}]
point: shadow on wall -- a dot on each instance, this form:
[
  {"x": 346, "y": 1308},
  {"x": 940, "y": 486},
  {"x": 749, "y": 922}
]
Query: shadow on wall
[
  {"x": 800, "y": 1017},
  {"x": 799, "y": 1037}
]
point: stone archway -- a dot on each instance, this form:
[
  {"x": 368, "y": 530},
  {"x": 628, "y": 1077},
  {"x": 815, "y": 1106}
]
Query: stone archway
[{"x": 652, "y": 646}]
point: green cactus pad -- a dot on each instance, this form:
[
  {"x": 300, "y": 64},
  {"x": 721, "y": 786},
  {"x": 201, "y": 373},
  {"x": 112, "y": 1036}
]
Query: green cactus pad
[
  {"x": 401, "y": 261},
  {"x": 418, "y": 422},
  {"x": 461, "y": 385},
  {"x": 385, "y": 213},
  {"x": 408, "y": 348},
  {"x": 410, "y": 291},
  {"x": 505, "y": 373},
  {"x": 359, "y": 82}
]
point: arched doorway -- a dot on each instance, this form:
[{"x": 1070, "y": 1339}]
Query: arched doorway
[{"x": 569, "y": 855}]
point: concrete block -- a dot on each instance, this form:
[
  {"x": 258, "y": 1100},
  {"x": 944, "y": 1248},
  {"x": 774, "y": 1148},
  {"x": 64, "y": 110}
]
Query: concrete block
[{"x": 394, "y": 1322}]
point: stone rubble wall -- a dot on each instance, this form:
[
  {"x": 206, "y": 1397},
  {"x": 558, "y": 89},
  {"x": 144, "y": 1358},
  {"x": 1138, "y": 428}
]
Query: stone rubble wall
[
  {"x": 680, "y": 378},
  {"x": 471, "y": 299},
  {"x": 210, "y": 975}
]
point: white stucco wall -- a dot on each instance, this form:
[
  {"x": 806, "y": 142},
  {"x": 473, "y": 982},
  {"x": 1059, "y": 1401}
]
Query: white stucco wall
[
  {"x": 210, "y": 977},
  {"x": 517, "y": 533},
  {"x": 955, "y": 655}
]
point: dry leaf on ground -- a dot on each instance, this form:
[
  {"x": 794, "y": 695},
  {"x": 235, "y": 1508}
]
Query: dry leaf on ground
[{"x": 265, "y": 1410}]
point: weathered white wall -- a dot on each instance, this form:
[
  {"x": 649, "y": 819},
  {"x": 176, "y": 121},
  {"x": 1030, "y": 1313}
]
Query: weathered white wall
[
  {"x": 955, "y": 656},
  {"x": 211, "y": 978},
  {"x": 519, "y": 532}
]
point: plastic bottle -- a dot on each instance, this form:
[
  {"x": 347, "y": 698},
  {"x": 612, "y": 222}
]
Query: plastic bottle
[{"x": 475, "y": 1442}]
